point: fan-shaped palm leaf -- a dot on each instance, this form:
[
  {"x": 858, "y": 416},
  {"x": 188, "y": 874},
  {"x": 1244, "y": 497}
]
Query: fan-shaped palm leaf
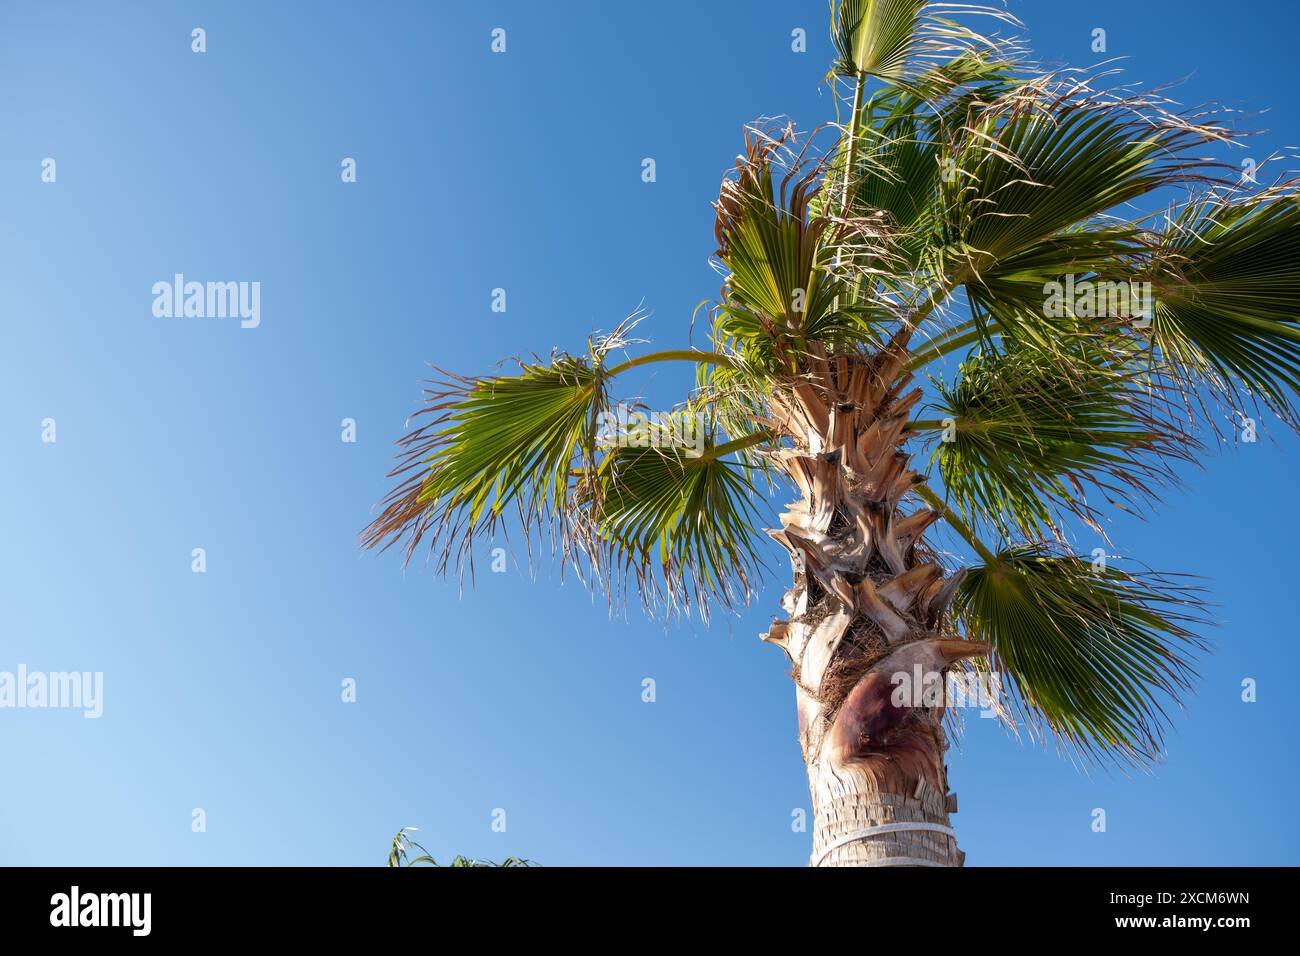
[
  {"x": 1090, "y": 650},
  {"x": 682, "y": 524},
  {"x": 1027, "y": 430},
  {"x": 492, "y": 441},
  {"x": 1034, "y": 171},
  {"x": 897, "y": 39},
  {"x": 1227, "y": 280}
]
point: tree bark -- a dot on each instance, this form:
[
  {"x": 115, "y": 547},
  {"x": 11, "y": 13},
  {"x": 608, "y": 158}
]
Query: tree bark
[
  {"x": 867, "y": 630},
  {"x": 877, "y": 777},
  {"x": 864, "y": 826}
]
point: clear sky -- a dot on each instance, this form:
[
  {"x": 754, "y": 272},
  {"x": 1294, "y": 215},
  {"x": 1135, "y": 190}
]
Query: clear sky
[{"x": 475, "y": 171}]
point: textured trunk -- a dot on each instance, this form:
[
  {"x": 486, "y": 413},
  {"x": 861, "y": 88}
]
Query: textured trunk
[
  {"x": 864, "y": 826},
  {"x": 867, "y": 618}
]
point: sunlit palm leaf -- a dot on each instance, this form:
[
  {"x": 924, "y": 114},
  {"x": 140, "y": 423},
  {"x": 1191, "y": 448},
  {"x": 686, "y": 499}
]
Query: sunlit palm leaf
[
  {"x": 784, "y": 286},
  {"x": 904, "y": 134},
  {"x": 1091, "y": 651},
  {"x": 399, "y": 856},
  {"x": 1013, "y": 300},
  {"x": 682, "y": 525},
  {"x": 1027, "y": 431},
  {"x": 893, "y": 39},
  {"x": 490, "y": 442},
  {"x": 1032, "y": 172},
  {"x": 1227, "y": 286}
]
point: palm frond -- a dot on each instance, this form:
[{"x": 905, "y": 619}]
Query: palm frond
[
  {"x": 682, "y": 525},
  {"x": 485, "y": 443},
  {"x": 1034, "y": 171},
  {"x": 904, "y": 135},
  {"x": 1227, "y": 280},
  {"x": 895, "y": 40},
  {"x": 1022, "y": 299},
  {"x": 399, "y": 855},
  {"x": 788, "y": 272},
  {"x": 1027, "y": 432},
  {"x": 1093, "y": 653}
]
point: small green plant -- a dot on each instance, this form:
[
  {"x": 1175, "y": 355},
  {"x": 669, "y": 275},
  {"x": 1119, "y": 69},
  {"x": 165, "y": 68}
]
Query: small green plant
[{"x": 398, "y": 855}]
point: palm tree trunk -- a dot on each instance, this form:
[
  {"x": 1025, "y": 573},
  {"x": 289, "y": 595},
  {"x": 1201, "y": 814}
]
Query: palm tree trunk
[
  {"x": 867, "y": 633},
  {"x": 875, "y": 814}
]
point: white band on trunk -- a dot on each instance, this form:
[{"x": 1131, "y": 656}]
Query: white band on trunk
[{"x": 885, "y": 828}]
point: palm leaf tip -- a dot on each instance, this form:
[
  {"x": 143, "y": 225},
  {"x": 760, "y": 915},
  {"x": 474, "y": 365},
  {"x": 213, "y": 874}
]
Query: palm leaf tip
[
  {"x": 483, "y": 444},
  {"x": 1227, "y": 278},
  {"x": 1052, "y": 155},
  {"x": 1093, "y": 653},
  {"x": 402, "y": 845},
  {"x": 898, "y": 40}
]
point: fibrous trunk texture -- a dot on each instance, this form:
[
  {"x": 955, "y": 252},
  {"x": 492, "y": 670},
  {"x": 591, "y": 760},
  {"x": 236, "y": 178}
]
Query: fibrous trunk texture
[{"x": 866, "y": 606}]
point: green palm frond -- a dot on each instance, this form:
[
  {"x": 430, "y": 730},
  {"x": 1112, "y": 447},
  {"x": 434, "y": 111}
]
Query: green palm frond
[
  {"x": 765, "y": 239},
  {"x": 790, "y": 273},
  {"x": 1023, "y": 300},
  {"x": 487, "y": 443},
  {"x": 1026, "y": 432},
  {"x": 1227, "y": 280},
  {"x": 681, "y": 523},
  {"x": 1092, "y": 652},
  {"x": 1033, "y": 172},
  {"x": 875, "y": 36},
  {"x": 897, "y": 39},
  {"x": 903, "y": 138}
]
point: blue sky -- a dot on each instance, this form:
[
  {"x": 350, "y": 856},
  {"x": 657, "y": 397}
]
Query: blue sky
[{"x": 475, "y": 171}]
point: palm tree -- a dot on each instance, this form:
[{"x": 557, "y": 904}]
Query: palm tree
[{"x": 941, "y": 317}]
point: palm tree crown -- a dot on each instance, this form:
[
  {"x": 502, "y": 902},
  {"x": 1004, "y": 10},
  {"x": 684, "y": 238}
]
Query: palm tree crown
[{"x": 951, "y": 307}]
